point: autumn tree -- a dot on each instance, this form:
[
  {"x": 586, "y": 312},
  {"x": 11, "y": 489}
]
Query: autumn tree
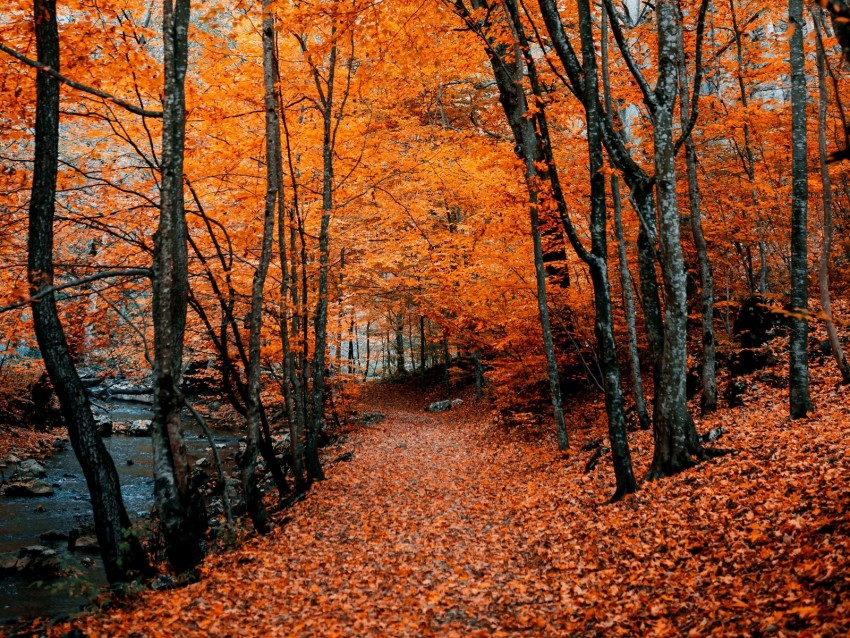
[
  {"x": 799, "y": 349},
  {"x": 122, "y": 552},
  {"x": 180, "y": 512}
]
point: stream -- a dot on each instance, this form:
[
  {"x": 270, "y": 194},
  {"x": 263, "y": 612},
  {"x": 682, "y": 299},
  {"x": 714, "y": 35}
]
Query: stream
[{"x": 22, "y": 522}]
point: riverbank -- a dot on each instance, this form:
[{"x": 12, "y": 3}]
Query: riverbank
[{"x": 50, "y": 564}]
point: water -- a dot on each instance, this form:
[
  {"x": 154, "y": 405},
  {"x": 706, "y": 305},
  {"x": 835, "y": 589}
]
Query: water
[{"x": 21, "y": 522}]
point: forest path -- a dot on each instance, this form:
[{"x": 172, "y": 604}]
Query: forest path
[
  {"x": 412, "y": 537},
  {"x": 449, "y": 525}
]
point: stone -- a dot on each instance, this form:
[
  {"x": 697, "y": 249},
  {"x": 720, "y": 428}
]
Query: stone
[
  {"x": 38, "y": 561},
  {"x": 202, "y": 463},
  {"x": 162, "y": 582},
  {"x": 103, "y": 424},
  {"x": 58, "y": 444},
  {"x": 27, "y": 470},
  {"x": 370, "y": 418},
  {"x": 13, "y": 459},
  {"x": 439, "y": 406},
  {"x": 712, "y": 435},
  {"x": 734, "y": 392},
  {"x": 141, "y": 427},
  {"x": 749, "y": 360},
  {"x": 8, "y": 560},
  {"x": 54, "y": 535},
  {"x": 28, "y": 489},
  {"x": 146, "y": 399},
  {"x": 87, "y": 544}
]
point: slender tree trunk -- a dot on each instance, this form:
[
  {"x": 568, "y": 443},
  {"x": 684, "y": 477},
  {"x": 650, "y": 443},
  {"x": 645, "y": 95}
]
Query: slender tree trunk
[
  {"x": 676, "y": 442},
  {"x": 479, "y": 375},
  {"x": 625, "y": 275},
  {"x": 543, "y": 310},
  {"x": 635, "y": 177},
  {"x": 587, "y": 83},
  {"x": 290, "y": 380},
  {"x": 313, "y": 464},
  {"x": 400, "y": 368},
  {"x": 295, "y": 364},
  {"x": 422, "y": 343},
  {"x": 368, "y": 349},
  {"x": 180, "y": 516},
  {"x": 352, "y": 335},
  {"x": 507, "y": 68},
  {"x": 826, "y": 244},
  {"x": 447, "y": 378},
  {"x": 800, "y": 402},
  {"x": 123, "y": 557},
  {"x": 709, "y": 376},
  {"x": 253, "y": 496},
  {"x": 598, "y": 262}
]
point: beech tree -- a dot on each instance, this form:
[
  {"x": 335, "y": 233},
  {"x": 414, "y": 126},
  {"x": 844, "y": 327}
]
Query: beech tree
[
  {"x": 799, "y": 349},
  {"x": 178, "y": 505},
  {"x": 123, "y": 557}
]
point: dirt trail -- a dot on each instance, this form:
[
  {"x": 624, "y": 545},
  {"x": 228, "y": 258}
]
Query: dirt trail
[
  {"x": 445, "y": 525},
  {"x": 411, "y": 537}
]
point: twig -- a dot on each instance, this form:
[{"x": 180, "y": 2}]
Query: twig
[
  {"x": 127, "y": 272},
  {"x": 80, "y": 87},
  {"x": 225, "y": 499}
]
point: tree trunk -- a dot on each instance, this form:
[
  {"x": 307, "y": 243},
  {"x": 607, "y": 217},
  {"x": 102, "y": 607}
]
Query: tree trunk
[
  {"x": 123, "y": 557},
  {"x": 400, "y": 368},
  {"x": 248, "y": 464},
  {"x": 181, "y": 518},
  {"x": 676, "y": 442},
  {"x": 313, "y": 464},
  {"x": 422, "y": 343},
  {"x": 636, "y": 178},
  {"x": 294, "y": 364},
  {"x": 508, "y": 73},
  {"x": 604, "y": 325},
  {"x": 447, "y": 377},
  {"x": 543, "y": 309},
  {"x": 826, "y": 244},
  {"x": 709, "y": 376},
  {"x": 368, "y": 349},
  {"x": 800, "y": 402},
  {"x": 625, "y": 275}
]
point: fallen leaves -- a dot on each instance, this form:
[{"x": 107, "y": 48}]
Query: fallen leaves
[{"x": 449, "y": 525}]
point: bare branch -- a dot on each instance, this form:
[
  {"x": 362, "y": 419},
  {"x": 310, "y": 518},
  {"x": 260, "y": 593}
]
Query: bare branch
[
  {"x": 44, "y": 292},
  {"x": 80, "y": 87}
]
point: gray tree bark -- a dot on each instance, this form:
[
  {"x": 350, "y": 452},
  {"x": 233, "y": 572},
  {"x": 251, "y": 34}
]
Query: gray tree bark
[
  {"x": 598, "y": 262},
  {"x": 625, "y": 275},
  {"x": 676, "y": 442},
  {"x": 180, "y": 516},
  {"x": 709, "y": 376},
  {"x": 826, "y": 183},
  {"x": 248, "y": 464},
  {"x": 508, "y": 73},
  {"x": 800, "y": 402},
  {"x": 316, "y": 422}
]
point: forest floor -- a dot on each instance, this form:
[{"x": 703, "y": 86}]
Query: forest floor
[{"x": 448, "y": 524}]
